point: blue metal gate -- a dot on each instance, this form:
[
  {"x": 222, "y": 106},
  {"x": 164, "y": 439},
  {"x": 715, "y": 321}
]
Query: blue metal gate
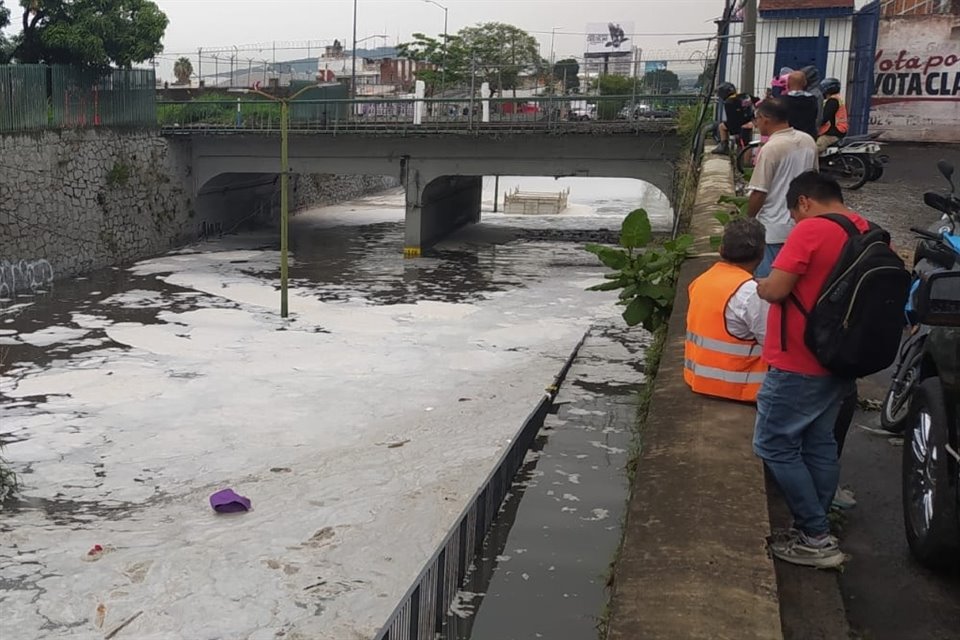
[{"x": 866, "y": 23}]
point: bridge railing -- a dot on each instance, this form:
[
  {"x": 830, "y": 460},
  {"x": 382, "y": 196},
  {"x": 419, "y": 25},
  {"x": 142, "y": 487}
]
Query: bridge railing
[{"x": 427, "y": 115}]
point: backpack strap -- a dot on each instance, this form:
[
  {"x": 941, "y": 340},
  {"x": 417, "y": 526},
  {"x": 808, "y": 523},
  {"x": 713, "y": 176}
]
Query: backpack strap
[{"x": 844, "y": 222}]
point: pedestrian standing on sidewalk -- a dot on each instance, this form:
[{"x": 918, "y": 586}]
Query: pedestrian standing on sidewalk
[
  {"x": 787, "y": 154},
  {"x": 803, "y": 106},
  {"x": 727, "y": 320},
  {"x": 800, "y": 400}
]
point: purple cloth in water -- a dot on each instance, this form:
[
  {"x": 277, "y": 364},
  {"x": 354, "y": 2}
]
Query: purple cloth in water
[{"x": 228, "y": 501}]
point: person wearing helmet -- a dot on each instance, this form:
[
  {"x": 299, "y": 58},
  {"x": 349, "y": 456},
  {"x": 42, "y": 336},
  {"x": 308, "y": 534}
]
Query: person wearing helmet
[
  {"x": 833, "y": 124},
  {"x": 738, "y": 112}
]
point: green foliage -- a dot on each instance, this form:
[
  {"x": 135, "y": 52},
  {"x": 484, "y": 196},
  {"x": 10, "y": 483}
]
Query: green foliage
[
  {"x": 567, "y": 71},
  {"x": 119, "y": 175},
  {"x": 183, "y": 69},
  {"x": 8, "y": 481},
  {"x": 4, "y": 43},
  {"x": 219, "y": 109},
  {"x": 645, "y": 275},
  {"x": 493, "y": 52},
  {"x": 90, "y": 33},
  {"x": 707, "y": 76},
  {"x": 688, "y": 120},
  {"x": 725, "y": 216},
  {"x": 613, "y": 85},
  {"x": 661, "y": 81}
]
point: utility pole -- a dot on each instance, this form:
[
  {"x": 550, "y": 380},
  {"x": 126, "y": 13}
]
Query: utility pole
[
  {"x": 443, "y": 62},
  {"x": 353, "y": 72},
  {"x": 748, "y": 42}
]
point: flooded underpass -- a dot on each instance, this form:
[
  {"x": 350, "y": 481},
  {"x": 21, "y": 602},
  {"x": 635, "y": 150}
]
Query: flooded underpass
[{"x": 358, "y": 427}]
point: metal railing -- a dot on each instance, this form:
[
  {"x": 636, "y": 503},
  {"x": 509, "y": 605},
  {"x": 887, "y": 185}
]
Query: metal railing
[{"x": 388, "y": 115}]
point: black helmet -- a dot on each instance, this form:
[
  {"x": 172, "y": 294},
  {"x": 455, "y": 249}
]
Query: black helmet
[
  {"x": 830, "y": 86},
  {"x": 725, "y": 90}
]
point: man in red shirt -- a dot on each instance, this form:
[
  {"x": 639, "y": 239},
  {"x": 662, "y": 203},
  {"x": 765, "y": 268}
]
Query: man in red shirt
[{"x": 799, "y": 401}]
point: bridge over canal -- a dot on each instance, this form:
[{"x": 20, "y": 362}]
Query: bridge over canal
[{"x": 439, "y": 160}]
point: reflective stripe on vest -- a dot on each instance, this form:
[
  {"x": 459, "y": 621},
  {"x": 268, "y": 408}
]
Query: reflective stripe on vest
[
  {"x": 717, "y": 363},
  {"x": 724, "y": 347},
  {"x": 841, "y": 120},
  {"x": 736, "y": 377}
]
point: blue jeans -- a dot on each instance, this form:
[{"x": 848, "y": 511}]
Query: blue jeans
[
  {"x": 796, "y": 415},
  {"x": 769, "y": 255}
]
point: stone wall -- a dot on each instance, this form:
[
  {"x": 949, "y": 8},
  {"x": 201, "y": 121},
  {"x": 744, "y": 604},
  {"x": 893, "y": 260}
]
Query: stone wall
[
  {"x": 77, "y": 200},
  {"x": 85, "y": 199}
]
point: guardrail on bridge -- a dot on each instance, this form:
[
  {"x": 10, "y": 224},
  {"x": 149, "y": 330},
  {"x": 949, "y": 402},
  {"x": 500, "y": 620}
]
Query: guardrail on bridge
[{"x": 431, "y": 115}]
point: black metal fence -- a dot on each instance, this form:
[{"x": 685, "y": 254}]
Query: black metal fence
[{"x": 35, "y": 97}]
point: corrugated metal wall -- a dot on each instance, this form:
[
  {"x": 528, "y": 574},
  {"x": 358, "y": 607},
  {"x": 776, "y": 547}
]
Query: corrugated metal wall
[{"x": 58, "y": 97}]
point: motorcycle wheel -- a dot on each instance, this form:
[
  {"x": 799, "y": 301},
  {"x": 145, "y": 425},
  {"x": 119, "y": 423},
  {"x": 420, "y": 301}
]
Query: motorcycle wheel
[
  {"x": 848, "y": 170},
  {"x": 874, "y": 168},
  {"x": 929, "y": 488},
  {"x": 896, "y": 404},
  {"x": 747, "y": 158}
]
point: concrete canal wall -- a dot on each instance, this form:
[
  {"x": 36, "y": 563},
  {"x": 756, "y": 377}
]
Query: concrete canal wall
[{"x": 76, "y": 200}]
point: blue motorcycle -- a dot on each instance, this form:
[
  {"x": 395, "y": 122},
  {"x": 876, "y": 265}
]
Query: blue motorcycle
[{"x": 936, "y": 251}]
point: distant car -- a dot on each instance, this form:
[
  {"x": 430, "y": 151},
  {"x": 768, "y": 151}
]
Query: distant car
[{"x": 581, "y": 114}]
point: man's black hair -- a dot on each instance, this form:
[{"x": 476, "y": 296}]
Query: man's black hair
[
  {"x": 743, "y": 241},
  {"x": 815, "y": 186},
  {"x": 775, "y": 109}
]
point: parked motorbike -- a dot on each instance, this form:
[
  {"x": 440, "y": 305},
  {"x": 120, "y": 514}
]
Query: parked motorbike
[
  {"x": 935, "y": 251},
  {"x": 925, "y": 391},
  {"x": 852, "y": 162}
]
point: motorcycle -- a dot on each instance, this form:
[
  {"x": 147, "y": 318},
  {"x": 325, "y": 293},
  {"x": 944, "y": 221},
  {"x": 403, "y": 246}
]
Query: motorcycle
[
  {"x": 852, "y": 162},
  {"x": 936, "y": 252}
]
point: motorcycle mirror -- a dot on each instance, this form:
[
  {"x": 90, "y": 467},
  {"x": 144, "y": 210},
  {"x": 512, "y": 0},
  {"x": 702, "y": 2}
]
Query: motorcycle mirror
[{"x": 946, "y": 170}]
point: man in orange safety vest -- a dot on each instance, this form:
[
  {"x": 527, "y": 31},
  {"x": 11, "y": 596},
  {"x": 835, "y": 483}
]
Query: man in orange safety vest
[{"x": 727, "y": 320}]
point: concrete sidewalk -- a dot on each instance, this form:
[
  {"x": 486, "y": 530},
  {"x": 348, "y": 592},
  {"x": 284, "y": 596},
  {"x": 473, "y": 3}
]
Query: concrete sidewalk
[{"x": 694, "y": 562}]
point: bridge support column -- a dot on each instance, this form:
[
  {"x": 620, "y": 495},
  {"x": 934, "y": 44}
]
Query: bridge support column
[{"x": 437, "y": 207}]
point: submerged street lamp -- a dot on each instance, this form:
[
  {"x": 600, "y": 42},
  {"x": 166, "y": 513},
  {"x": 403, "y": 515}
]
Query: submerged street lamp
[{"x": 284, "y": 187}]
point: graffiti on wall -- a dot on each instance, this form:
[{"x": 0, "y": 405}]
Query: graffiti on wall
[
  {"x": 21, "y": 276},
  {"x": 917, "y": 80}
]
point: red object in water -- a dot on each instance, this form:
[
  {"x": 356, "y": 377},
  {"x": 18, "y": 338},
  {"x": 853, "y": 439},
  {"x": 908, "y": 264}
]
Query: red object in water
[{"x": 95, "y": 550}]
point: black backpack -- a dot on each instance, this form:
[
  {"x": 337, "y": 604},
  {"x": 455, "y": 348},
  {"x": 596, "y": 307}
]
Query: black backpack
[{"x": 855, "y": 326}]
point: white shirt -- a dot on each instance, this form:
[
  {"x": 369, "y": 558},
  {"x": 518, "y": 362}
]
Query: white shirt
[
  {"x": 787, "y": 154},
  {"x": 746, "y": 313}
]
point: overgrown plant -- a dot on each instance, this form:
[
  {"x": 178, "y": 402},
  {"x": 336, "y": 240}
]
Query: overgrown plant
[
  {"x": 646, "y": 274},
  {"x": 8, "y": 481},
  {"x": 726, "y": 216}
]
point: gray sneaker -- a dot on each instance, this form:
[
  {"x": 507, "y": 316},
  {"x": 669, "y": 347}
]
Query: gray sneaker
[{"x": 822, "y": 553}]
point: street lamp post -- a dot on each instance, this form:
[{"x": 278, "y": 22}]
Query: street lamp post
[
  {"x": 353, "y": 55},
  {"x": 284, "y": 188},
  {"x": 443, "y": 62}
]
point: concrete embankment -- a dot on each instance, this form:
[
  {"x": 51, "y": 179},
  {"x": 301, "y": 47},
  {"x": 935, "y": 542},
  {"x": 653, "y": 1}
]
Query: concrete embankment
[
  {"x": 694, "y": 562},
  {"x": 77, "y": 200}
]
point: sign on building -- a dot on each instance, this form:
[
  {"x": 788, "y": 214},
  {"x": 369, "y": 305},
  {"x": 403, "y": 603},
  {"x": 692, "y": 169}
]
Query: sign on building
[{"x": 917, "y": 80}]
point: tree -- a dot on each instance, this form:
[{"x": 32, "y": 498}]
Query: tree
[
  {"x": 431, "y": 51},
  {"x": 707, "y": 76},
  {"x": 90, "y": 33},
  {"x": 493, "y": 52},
  {"x": 614, "y": 85},
  {"x": 499, "y": 52},
  {"x": 4, "y": 45},
  {"x": 568, "y": 72},
  {"x": 661, "y": 80},
  {"x": 183, "y": 69}
]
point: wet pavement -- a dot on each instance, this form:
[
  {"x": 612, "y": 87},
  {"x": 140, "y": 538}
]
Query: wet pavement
[{"x": 358, "y": 426}]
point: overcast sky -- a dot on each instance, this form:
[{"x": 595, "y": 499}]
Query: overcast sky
[{"x": 658, "y": 24}]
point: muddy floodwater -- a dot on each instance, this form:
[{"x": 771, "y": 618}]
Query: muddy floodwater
[{"x": 358, "y": 427}]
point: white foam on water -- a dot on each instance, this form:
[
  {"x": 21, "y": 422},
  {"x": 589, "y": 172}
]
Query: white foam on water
[{"x": 319, "y": 419}]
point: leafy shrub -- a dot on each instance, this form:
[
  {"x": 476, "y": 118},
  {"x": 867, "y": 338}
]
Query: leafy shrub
[{"x": 645, "y": 274}]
